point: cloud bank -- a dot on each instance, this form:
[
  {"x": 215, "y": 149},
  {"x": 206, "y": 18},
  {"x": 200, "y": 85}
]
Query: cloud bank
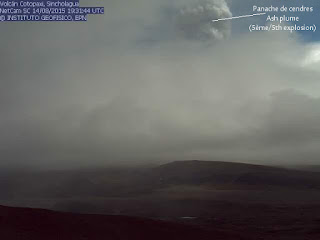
[{"x": 94, "y": 96}]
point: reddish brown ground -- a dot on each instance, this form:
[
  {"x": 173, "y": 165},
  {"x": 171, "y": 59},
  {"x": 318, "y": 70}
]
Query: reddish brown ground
[{"x": 38, "y": 224}]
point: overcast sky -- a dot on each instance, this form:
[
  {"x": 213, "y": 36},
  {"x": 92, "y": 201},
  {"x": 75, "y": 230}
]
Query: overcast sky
[{"x": 156, "y": 80}]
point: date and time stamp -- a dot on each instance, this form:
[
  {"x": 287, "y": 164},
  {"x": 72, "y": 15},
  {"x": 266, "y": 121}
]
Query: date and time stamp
[{"x": 54, "y": 10}]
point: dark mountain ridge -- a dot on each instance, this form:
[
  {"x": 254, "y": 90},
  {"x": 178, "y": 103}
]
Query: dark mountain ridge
[
  {"x": 124, "y": 182},
  {"x": 233, "y": 174}
]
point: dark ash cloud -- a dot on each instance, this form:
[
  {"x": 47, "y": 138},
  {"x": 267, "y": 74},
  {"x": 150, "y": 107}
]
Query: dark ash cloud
[{"x": 194, "y": 21}]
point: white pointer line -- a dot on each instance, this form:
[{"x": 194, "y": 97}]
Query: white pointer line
[{"x": 244, "y": 16}]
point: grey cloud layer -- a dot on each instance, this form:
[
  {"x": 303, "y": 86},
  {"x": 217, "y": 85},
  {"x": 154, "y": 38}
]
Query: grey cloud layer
[{"x": 81, "y": 97}]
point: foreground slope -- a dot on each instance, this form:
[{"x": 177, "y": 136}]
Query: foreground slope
[{"x": 38, "y": 224}]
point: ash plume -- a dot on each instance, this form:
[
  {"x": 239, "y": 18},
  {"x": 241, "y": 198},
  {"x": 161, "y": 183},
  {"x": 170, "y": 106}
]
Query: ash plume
[{"x": 194, "y": 21}]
